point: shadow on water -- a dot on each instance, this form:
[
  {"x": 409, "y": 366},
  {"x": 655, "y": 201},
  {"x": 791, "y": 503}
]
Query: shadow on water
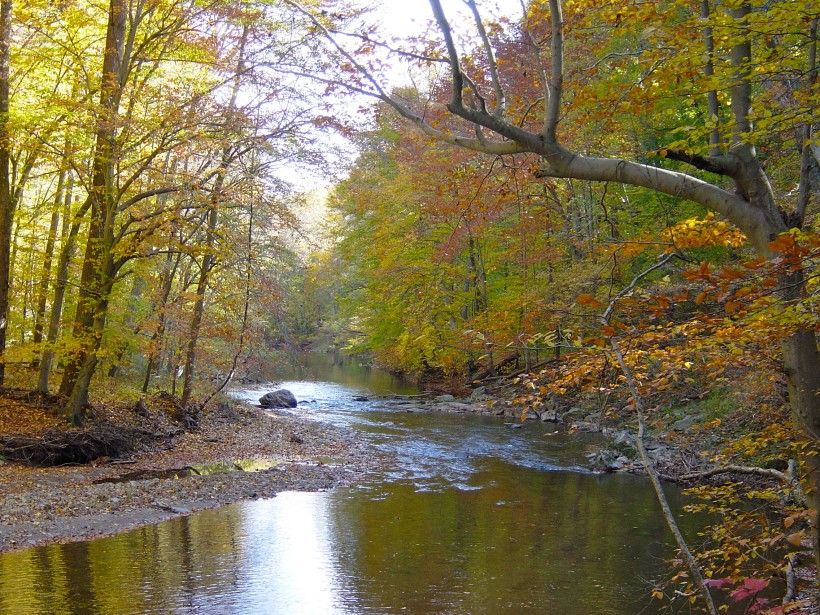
[{"x": 472, "y": 518}]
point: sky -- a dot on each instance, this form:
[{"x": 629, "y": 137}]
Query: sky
[{"x": 395, "y": 19}]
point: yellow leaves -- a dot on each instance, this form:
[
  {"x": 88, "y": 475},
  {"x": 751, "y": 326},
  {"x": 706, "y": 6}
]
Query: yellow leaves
[{"x": 704, "y": 232}]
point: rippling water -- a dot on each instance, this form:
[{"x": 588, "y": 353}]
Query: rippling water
[{"x": 474, "y": 518}]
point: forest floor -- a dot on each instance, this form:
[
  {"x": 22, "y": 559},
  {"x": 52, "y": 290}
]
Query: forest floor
[{"x": 235, "y": 452}]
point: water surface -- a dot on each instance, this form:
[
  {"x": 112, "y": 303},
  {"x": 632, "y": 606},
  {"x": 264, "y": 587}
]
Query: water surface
[{"x": 475, "y": 517}]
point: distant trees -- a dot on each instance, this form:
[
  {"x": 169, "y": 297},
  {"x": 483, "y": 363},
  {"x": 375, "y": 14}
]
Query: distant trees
[
  {"x": 712, "y": 103},
  {"x": 506, "y": 95}
]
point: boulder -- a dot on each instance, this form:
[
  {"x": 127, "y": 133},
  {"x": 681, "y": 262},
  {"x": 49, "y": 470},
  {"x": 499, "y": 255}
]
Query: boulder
[
  {"x": 278, "y": 399},
  {"x": 446, "y": 397},
  {"x": 685, "y": 423},
  {"x": 607, "y": 460}
]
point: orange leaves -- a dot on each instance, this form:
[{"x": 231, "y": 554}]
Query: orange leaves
[
  {"x": 800, "y": 515},
  {"x": 794, "y": 247},
  {"x": 731, "y": 307},
  {"x": 701, "y": 273},
  {"x": 796, "y": 539},
  {"x": 587, "y": 300},
  {"x": 783, "y": 243}
]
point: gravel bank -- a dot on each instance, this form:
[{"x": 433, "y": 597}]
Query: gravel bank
[{"x": 69, "y": 503}]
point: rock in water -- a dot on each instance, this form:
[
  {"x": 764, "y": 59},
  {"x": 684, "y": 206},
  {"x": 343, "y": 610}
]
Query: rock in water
[{"x": 278, "y": 399}]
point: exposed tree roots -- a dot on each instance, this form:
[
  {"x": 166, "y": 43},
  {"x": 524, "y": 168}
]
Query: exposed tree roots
[{"x": 58, "y": 446}]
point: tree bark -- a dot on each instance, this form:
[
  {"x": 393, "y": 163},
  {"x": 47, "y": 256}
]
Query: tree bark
[
  {"x": 69, "y": 242},
  {"x": 98, "y": 268},
  {"x": 45, "y": 276},
  {"x": 160, "y": 308},
  {"x": 201, "y": 288},
  {"x": 801, "y": 363},
  {"x": 6, "y": 199},
  {"x": 209, "y": 259}
]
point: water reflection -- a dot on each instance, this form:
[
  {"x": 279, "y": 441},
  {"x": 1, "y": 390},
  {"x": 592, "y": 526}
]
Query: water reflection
[
  {"x": 472, "y": 518},
  {"x": 330, "y": 368},
  {"x": 525, "y": 541}
]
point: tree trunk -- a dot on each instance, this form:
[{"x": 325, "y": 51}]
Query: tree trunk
[
  {"x": 201, "y": 288},
  {"x": 6, "y": 200},
  {"x": 209, "y": 258},
  {"x": 45, "y": 277},
  {"x": 801, "y": 363},
  {"x": 160, "y": 307},
  {"x": 69, "y": 241},
  {"x": 98, "y": 269}
]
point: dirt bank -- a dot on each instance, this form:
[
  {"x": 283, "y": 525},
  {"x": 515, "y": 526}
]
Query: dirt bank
[{"x": 176, "y": 475}]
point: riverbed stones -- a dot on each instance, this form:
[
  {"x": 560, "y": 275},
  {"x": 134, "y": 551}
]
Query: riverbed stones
[{"x": 281, "y": 398}]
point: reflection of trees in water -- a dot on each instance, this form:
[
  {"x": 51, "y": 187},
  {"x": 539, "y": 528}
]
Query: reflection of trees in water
[
  {"x": 160, "y": 566},
  {"x": 333, "y": 367},
  {"x": 553, "y": 542}
]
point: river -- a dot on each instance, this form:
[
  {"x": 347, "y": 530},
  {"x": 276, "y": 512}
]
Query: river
[{"x": 474, "y": 517}]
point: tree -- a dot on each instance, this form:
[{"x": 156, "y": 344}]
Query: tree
[
  {"x": 98, "y": 264},
  {"x": 6, "y": 196},
  {"x": 736, "y": 184}
]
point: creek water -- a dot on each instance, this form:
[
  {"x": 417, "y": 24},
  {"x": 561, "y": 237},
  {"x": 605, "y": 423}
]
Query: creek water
[{"x": 473, "y": 517}]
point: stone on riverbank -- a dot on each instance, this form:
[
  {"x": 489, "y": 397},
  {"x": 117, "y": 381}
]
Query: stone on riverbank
[{"x": 278, "y": 399}]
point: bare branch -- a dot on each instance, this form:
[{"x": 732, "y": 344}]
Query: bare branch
[
  {"x": 556, "y": 82},
  {"x": 733, "y": 469},
  {"x": 631, "y": 286},
  {"x": 455, "y": 63},
  {"x": 722, "y": 165},
  {"x": 631, "y": 382},
  {"x": 391, "y": 49},
  {"x": 500, "y": 99},
  {"x": 345, "y": 53},
  {"x": 545, "y": 80}
]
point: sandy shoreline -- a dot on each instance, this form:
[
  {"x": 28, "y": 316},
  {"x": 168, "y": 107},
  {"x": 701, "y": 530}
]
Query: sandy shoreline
[{"x": 40, "y": 506}]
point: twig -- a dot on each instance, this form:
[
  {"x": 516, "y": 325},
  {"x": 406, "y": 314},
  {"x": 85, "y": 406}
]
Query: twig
[
  {"x": 691, "y": 562},
  {"x": 769, "y": 472},
  {"x": 791, "y": 580}
]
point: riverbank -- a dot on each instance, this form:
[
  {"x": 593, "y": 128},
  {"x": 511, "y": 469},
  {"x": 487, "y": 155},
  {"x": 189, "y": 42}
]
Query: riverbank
[
  {"x": 236, "y": 452},
  {"x": 681, "y": 442}
]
